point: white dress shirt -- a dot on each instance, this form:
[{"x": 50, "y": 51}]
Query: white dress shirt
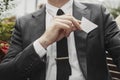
[{"x": 51, "y": 50}]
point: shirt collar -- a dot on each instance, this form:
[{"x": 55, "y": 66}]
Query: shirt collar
[{"x": 52, "y": 10}]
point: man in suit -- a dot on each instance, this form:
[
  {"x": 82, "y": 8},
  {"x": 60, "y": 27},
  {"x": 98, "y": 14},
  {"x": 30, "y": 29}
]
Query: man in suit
[{"x": 33, "y": 50}]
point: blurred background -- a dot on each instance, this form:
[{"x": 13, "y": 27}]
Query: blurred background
[{"x": 21, "y": 7}]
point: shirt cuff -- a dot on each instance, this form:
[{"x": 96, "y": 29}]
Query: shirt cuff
[{"x": 39, "y": 48}]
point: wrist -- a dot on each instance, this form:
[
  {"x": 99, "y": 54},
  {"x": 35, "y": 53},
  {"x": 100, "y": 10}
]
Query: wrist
[{"x": 44, "y": 42}]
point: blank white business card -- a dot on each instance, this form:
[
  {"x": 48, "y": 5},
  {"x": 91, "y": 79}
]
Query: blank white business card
[{"x": 87, "y": 25}]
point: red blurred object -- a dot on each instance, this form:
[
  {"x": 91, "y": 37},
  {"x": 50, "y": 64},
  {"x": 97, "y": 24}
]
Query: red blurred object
[{"x": 4, "y": 46}]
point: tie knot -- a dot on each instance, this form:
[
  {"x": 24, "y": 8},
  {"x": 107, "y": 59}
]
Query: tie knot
[{"x": 60, "y": 12}]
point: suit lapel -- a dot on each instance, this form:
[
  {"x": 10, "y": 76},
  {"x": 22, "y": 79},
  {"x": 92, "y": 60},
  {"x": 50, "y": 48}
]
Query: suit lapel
[
  {"x": 39, "y": 23},
  {"x": 80, "y": 10}
]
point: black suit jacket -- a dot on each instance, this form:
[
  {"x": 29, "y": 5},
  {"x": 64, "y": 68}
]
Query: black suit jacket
[{"x": 23, "y": 63}]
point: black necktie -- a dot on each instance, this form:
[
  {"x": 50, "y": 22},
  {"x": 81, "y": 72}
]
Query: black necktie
[{"x": 62, "y": 60}]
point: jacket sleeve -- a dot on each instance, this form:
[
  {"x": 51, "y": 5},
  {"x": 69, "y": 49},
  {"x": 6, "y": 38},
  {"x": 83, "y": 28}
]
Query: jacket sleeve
[
  {"x": 19, "y": 63},
  {"x": 112, "y": 36}
]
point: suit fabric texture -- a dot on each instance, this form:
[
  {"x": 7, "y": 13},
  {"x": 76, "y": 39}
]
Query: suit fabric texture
[{"x": 23, "y": 63}]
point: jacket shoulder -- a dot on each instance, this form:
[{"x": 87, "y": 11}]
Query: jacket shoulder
[
  {"x": 93, "y": 5},
  {"x": 33, "y": 14}
]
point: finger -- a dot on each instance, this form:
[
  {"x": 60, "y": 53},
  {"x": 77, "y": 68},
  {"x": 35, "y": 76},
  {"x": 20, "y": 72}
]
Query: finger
[
  {"x": 68, "y": 22},
  {"x": 67, "y": 29},
  {"x": 63, "y": 26},
  {"x": 67, "y": 33},
  {"x": 64, "y": 17},
  {"x": 75, "y": 22}
]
